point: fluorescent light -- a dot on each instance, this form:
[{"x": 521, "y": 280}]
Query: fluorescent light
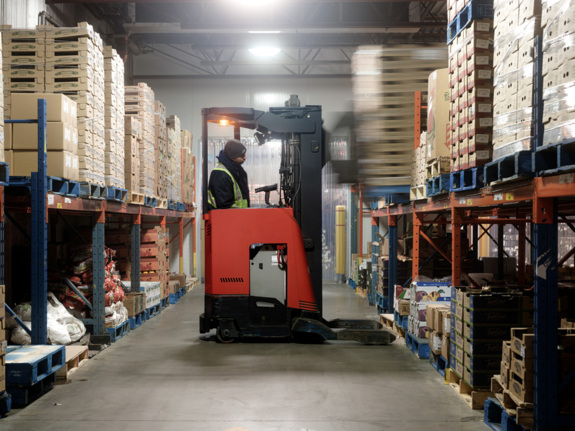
[
  {"x": 264, "y": 51},
  {"x": 264, "y": 31}
]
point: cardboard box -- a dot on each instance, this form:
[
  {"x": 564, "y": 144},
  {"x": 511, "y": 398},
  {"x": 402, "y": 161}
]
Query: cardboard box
[
  {"x": 445, "y": 346},
  {"x": 438, "y": 114},
  {"x": 59, "y": 137},
  {"x": 62, "y": 164},
  {"x": 173, "y": 286},
  {"x": 404, "y": 307},
  {"x": 60, "y": 108}
]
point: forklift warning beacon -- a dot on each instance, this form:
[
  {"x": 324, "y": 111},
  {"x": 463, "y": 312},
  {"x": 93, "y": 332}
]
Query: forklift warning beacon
[{"x": 263, "y": 265}]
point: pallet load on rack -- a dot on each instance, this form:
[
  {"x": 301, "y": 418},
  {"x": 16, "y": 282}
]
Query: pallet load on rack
[
  {"x": 154, "y": 253},
  {"x": 188, "y": 168},
  {"x": 384, "y": 81},
  {"x": 132, "y": 145},
  {"x": 23, "y": 59},
  {"x": 403, "y": 273},
  {"x": 418, "y": 172},
  {"x": 471, "y": 97},
  {"x": 438, "y": 318},
  {"x": 74, "y": 65},
  {"x": 556, "y": 153},
  {"x": 515, "y": 28},
  {"x": 114, "y": 118},
  {"x": 61, "y": 136},
  {"x": 140, "y": 103},
  {"x": 161, "y": 153},
  {"x": 174, "y": 159},
  {"x": 438, "y": 135},
  {"x": 481, "y": 320}
]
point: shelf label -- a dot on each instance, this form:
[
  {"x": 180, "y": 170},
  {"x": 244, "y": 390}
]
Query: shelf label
[
  {"x": 566, "y": 178},
  {"x": 462, "y": 201},
  {"x": 50, "y": 199},
  {"x": 67, "y": 200},
  {"x": 470, "y": 202},
  {"x": 509, "y": 196},
  {"x": 498, "y": 197},
  {"x": 59, "y": 205}
]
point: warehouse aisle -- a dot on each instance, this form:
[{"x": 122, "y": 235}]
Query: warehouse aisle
[{"x": 164, "y": 377}]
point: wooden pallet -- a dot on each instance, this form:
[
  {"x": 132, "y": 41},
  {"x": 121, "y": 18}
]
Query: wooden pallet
[
  {"x": 474, "y": 398},
  {"x": 135, "y": 198},
  {"x": 76, "y": 356},
  {"x": 515, "y": 408},
  {"x": 438, "y": 166}
]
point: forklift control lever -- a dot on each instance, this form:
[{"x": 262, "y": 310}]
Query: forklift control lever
[{"x": 267, "y": 189}]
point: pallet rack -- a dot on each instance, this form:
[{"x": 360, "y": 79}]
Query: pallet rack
[
  {"x": 539, "y": 202},
  {"x": 41, "y": 204}
]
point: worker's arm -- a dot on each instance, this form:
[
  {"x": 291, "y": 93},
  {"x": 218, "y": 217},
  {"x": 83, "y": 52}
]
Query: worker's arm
[{"x": 222, "y": 188}]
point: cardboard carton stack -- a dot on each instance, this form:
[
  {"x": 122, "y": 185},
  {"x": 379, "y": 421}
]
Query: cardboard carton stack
[
  {"x": 438, "y": 135},
  {"x": 516, "y": 25},
  {"x": 132, "y": 143},
  {"x": 558, "y": 64},
  {"x": 471, "y": 95},
  {"x": 74, "y": 65},
  {"x": 154, "y": 252},
  {"x": 438, "y": 320},
  {"x": 384, "y": 79},
  {"x": 23, "y": 59},
  {"x": 418, "y": 171},
  {"x": 61, "y": 136},
  {"x": 161, "y": 153},
  {"x": 403, "y": 273},
  {"x": 480, "y": 323},
  {"x": 174, "y": 159},
  {"x": 114, "y": 118},
  {"x": 152, "y": 291},
  {"x": 421, "y": 295},
  {"x": 140, "y": 103},
  {"x": 188, "y": 168},
  {"x": 135, "y": 303}
]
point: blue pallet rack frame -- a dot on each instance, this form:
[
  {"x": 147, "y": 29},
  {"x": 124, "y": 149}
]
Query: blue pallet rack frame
[{"x": 39, "y": 237}]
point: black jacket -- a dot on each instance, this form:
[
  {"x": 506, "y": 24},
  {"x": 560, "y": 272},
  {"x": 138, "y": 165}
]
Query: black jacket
[{"x": 221, "y": 184}]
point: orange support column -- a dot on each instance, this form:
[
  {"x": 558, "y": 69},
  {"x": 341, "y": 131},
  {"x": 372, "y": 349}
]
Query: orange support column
[{"x": 456, "y": 223}]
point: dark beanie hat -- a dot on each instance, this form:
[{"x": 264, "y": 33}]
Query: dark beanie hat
[{"x": 234, "y": 148}]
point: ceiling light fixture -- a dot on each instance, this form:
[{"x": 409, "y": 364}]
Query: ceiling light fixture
[
  {"x": 265, "y": 51},
  {"x": 264, "y": 31}
]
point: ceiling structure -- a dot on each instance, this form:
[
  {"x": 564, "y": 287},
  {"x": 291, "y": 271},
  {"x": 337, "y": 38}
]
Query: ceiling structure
[{"x": 212, "y": 38}]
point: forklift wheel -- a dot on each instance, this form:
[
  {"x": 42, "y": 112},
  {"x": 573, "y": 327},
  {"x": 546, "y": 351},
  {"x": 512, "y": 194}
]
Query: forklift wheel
[{"x": 223, "y": 336}]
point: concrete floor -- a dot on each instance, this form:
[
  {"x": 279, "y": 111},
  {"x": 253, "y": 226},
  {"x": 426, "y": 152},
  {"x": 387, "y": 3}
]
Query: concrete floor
[{"x": 164, "y": 377}]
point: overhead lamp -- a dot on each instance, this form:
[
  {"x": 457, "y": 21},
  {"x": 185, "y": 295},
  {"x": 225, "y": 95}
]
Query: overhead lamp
[
  {"x": 265, "y": 51},
  {"x": 223, "y": 122},
  {"x": 264, "y": 31}
]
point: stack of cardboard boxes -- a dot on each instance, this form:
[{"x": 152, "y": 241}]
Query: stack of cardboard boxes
[
  {"x": 480, "y": 323},
  {"x": 174, "y": 159},
  {"x": 152, "y": 293},
  {"x": 61, "y": 136},
  {"x": 384, "y": 79},
  {"x": 154, "y": 252},
  {"x": 471, "y": 95},
  {"x": 132, "y": 144},
  {"x": 114, "y": 119},
  {"x": 438, "y": 319},
  {"x": 135, "y": 303},
  {"x": 140, "y": 103},
  {"x": 188, "y": 168},
  {"x": 421, "y": 295},
  {"x": 558, "y": 66},
  {"x": 515, "y": 26},
  {"x": 74, "y": 65},
  {"x": 161, "y": 154},
  {"x": 438, "y": 135},
  {"x": 418, "y": 171}
]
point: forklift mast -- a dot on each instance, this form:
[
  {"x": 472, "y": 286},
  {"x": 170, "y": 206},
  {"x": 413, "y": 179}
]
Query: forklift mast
[{"x": 302, "y": 157}]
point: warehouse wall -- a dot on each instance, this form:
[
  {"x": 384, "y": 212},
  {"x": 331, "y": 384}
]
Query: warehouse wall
[
  {"x": 21, "y": 13},
  {"x": 186, "y": 97}
]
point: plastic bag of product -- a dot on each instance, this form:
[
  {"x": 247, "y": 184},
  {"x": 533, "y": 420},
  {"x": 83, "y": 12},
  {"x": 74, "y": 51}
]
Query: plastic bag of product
[
  {"x": 24, "y": 311},
  {"x": 20, "y": 336},
  {"x": 63, "y": 328}
]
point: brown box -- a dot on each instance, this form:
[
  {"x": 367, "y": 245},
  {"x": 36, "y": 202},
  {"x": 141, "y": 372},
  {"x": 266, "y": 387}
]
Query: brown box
[
  {"x": 404, "y": 307},
  {"x": 62, "y": 164},
  {"x": 438, "y": 114},
  {"x": 173, "y": 286},
  {"x": 59, "y": 137},
  {"x": 445, "y": 341},
  {"x": 2, "y": 372},
  {"x": 506, "y": 353},
  {"x": 522, "y": 341},
  {"x": 59, "y": 107},
  {"x": 181, "y": 278},
  {"x": 7, "y": 136},
  {"x": 504, "y": 373}
]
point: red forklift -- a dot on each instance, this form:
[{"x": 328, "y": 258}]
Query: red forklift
[{"x": 263, "y": 266}]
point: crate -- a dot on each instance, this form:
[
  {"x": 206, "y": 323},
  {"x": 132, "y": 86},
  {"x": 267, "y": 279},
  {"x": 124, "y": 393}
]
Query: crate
[
  {"x": 555, "y": 158},
  {"x": 437, "y": 185},
  {"x": 467, "y": 179},
  {"x": 513, "y": 167}
]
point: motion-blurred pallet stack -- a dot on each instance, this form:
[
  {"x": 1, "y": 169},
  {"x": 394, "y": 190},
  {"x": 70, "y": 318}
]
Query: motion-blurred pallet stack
[
  {"x": 188, "y": 168},
  {"x": 384, "y": 80},
  {"x": 132, "y": 142},
  {"x": 174, "y": 172},
  {"x": 161, "y": 154}
]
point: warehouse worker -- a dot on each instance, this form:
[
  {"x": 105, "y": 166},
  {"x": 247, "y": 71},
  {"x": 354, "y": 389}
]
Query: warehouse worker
[{"x": 228, "y": 186}]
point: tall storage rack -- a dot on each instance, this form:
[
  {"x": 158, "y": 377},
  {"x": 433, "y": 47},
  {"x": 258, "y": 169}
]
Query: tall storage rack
[{"x": 42, "y": 202}]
